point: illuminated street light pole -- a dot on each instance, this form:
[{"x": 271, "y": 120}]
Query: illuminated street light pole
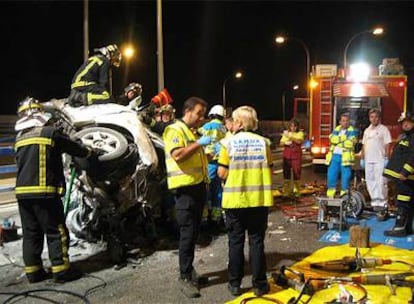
[
  {"x": 294, "y": 88},
  {"x": 237, "y": 75},
  {"x": 160, "y": 48},
  {"x": 85, "y": 29},
  {"x": 376, "y": 31},
  {"x": 283, "y": 39}
]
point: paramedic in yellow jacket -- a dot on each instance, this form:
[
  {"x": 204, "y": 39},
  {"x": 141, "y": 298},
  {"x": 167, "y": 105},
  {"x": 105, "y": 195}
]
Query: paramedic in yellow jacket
[
  {"x": 187, "y": 179},
  {"x": 340, "y": 157},
  {"x": 291, "y": 141},
  {"x": 244, "y": 162}
]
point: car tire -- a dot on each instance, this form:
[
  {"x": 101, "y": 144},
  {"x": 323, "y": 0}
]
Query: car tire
[{"x": 111, "y": 142}]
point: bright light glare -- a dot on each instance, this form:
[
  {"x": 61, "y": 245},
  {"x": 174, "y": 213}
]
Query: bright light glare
[
  {"x": 359, "y": 71},
  {"x": 280, "y": 39},
  {"x": 378, "y": 31},
  {"x": 313, "y": 83},
  {"x": 238, "y": 75},
  {"x": 357, "y": 90},
  {"x": 129, "y": 52},
  {"x": 295, "y": 87},
  {"x": 401, "y": 84}
]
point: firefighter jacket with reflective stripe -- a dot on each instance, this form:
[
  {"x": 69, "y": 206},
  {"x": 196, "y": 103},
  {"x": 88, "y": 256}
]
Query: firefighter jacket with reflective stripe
[
  {"x": 95, "y": 71},
  {"x": 292, "y": 150},
  {"x": 217, "y": 131},
  {"x": 187, "y": 172},
  {"x": 39, "y": 162},
  {"x": 402, "y": 158},
  {"x": 249, "y": 181},
  {"x": 345, "y": 142}
]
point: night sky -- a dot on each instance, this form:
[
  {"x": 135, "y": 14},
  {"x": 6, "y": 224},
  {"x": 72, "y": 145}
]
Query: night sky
[{"x": 204, "y": 43}]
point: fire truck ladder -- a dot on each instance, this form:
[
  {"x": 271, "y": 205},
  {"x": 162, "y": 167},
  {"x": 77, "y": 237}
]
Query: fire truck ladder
[{"x": 325, "y": 125}]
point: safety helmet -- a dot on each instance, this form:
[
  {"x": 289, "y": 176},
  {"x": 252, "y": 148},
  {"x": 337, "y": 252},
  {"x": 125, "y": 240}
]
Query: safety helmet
[
  {"x": 28, "y": 107},
  {"x": 406, "y": 116},
  {"x": 217, "y": 110},
  {"x": 167, "y": 109},
  {"x": 31, "y": 114},
  {"x": 133, "y": 86},
  {"x": 111, "y": 52}
]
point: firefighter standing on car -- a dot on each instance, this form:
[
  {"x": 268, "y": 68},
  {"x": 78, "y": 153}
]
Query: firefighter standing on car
[
  {"x": 244, "y": 162},
  {"x": 39, "y": 186},
  {"x": 187, "y": 179},
  {"x": 401, "y": 169},
  {"x": 90, "y": 85},
  {"x": 291, "y": 141},
  {"x": 340, "y": 157},
  {"x": 217, "y": 131}
]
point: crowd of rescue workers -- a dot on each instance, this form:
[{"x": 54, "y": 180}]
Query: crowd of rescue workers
[{"x": 220, "y": 169}]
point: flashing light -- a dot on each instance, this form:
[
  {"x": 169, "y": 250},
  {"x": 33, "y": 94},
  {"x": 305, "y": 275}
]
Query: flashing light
[
  {"x": 401, "y": 84},
  {"x": 313, "y": 83},
  {"x": 238, "y": 75},
  {"x": 319, "y": 150},
  {"x": 359, "y": 71}
]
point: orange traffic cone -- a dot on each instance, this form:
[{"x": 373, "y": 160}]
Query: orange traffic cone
[{"x": 162, "y": 98}]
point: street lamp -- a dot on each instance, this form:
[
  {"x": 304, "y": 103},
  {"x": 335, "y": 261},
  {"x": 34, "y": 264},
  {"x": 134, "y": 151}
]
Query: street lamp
[
  {"x": 282, "y": 40},
  {"x": 376, "y": 31},
  {"x": 294, "y": 88},
  {"x": 128, "y": 52},
  {"x": 237, "y": 75}
]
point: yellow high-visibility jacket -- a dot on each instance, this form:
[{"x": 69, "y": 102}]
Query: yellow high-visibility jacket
[
  {"x": 346, "y": 142},
  {"x": 249, "y": 182},
  {"x": 191, "y": 171}
]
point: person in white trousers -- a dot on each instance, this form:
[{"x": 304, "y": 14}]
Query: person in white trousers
[{"x": 374, "y": 158}]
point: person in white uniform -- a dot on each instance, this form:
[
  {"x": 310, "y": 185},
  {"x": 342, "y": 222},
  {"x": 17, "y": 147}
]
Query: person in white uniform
[{"x": 374, "y": 158}]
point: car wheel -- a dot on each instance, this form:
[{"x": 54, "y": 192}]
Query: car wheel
[
  {"x": 354, "y": 205},
  {"x": 112, "y": 144}
]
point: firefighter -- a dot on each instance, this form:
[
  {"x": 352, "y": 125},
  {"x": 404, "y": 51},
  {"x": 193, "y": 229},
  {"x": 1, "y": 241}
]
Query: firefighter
[
  {"x": 132, "y": 96},
  {"x": 216, "y": 129},
  {"x": 90, "y": 85},
  {"x": 187, "y": 179},
  {"x": 401, "y": 169},
  {"x": 39, "y": 186},
  {"x": 340, "y": 157},
  {"x": 245, "y": 162},
  {"x": 291, "y": 141}
]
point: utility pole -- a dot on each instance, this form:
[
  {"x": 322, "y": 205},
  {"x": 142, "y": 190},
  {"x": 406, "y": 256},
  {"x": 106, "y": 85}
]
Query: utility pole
[
  {"x": 85, "y": 29},
  {"x": 160, "y": 52}
]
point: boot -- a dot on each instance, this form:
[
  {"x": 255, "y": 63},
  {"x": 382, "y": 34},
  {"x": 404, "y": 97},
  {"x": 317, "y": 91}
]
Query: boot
[
  {"x": 296, "y": 188},
  {"x": 402, "y": 225},
  {"x": 286, "y": 191}
]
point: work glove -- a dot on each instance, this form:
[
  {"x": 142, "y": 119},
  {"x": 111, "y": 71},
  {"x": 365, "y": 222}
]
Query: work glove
[
  {"x": 204, "y": 140},
  {"x": 385, "y": 162},
  {"x": 362, "y": 163}
]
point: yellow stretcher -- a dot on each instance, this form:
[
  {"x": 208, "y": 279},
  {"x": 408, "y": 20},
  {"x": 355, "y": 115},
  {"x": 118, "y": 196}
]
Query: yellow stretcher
[{"x": 376, "y": 294}]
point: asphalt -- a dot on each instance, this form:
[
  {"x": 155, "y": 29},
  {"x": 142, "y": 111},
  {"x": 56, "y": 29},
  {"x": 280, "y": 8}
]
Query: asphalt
[{"x": 150, "y": 275}]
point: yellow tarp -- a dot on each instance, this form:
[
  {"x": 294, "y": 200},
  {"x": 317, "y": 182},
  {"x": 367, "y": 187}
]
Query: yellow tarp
[{"x": 377, "y": 294}]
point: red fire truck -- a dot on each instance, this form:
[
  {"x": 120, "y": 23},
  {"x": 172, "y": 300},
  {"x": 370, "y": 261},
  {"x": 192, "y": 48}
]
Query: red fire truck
[{"x": 332, "y": 95}]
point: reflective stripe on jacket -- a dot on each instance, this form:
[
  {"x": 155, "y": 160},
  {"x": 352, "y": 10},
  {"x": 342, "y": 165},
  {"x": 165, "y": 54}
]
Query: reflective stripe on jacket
[
  {"x": 346, "y": 142},
  {"x": 294, "y": 150},
  {"x": 402, "y": 158},
  {"x": 95, "y": 71},
  {"x": 217, "y": 131},
  {"x": 39, "y": 162},
  {"x": 190, "y": 171},
  {"x": 249, "y": 180}
]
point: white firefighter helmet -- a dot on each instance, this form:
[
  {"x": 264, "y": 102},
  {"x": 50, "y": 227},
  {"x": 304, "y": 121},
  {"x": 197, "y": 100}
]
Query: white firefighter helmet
[
  {"x": 217, "y": 110},
  {"x": 31, "y": 114},
  {"x": 111, "y": 52}
]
